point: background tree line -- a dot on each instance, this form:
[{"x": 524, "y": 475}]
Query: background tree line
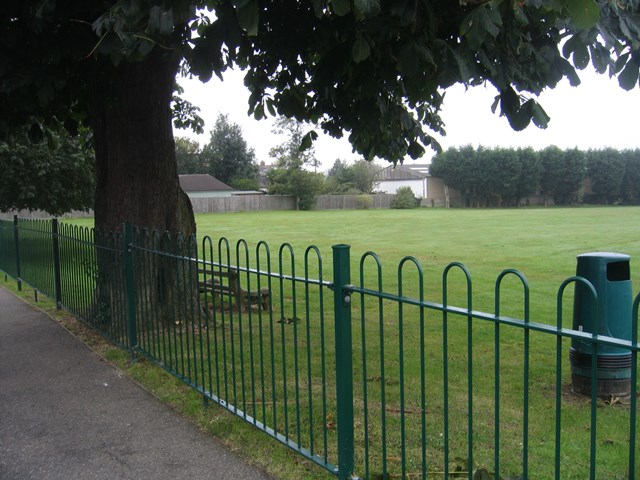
[
  {"x": 56, "y": 173},
  {"x": 505, "y": 177},
  {"x": 226, "y": 156}
]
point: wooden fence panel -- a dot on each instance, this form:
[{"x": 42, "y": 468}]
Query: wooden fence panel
[
  {"x": 352, "y": 202},
  {"x": 243, "y": 203}
]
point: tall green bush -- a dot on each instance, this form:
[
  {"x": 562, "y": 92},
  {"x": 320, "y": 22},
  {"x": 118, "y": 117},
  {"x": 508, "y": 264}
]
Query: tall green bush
[
  {"x": 404, "y": 198},
  {"x": 364, "y": 202}
]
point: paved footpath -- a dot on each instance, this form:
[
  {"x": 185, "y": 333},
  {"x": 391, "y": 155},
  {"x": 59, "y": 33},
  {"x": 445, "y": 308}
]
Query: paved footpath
[{"x": 67, "y": 414}]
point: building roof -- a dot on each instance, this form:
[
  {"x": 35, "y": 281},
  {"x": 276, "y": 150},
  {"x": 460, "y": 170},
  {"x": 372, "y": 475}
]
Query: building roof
[
  {"x": 404, "y": 172},
  {"x": 202, "y": 183}
]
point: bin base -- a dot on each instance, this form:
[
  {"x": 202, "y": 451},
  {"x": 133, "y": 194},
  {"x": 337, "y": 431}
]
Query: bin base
[{"x": 606, "y": 387}]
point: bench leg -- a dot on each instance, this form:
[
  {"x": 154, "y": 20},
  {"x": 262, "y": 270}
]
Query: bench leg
[{"x": 259, "y": 299}]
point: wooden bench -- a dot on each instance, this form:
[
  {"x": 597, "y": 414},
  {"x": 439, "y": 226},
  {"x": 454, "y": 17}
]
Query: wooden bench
[{"x": 226, "y": 282}]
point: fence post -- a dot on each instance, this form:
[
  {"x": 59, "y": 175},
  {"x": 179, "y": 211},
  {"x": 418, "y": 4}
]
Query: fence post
[
  {"x": 344, "y": 361},
  {"x": 56, "y": 263},
  {"x": 17, "y": 244},
  {"x": 127, "y": 251}
]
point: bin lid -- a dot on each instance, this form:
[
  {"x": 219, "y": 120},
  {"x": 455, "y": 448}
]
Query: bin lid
[{"x": 618, "y": 257}]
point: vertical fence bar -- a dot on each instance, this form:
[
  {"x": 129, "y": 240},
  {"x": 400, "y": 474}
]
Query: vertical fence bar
[
  {"x": 282, "y": 332},
  {"x": 634, "y": 388},
  {"x": 344, "y": 361},
  {"x": 496, "y": 375},
  {"x": 17, "y": 243},
  {"x": 403, "y": 427},
  {"x": 558, "y": 404},
  {"x": 56, "y": 263},
  {"x": 470, "y": 387},
  {"x": 594, "y": 398},
  {"x": 525, "y": 400},
  {"x": 127, "y": 250}
]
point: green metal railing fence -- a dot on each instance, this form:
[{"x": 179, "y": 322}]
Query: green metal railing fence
[
  {"x": 9, "y": 257},
  {"x": 362, "y": 374}
]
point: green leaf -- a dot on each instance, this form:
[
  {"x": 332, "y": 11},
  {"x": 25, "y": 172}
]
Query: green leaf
[
  {"x": 584, "y": 14},
  {"x": 599, "y": 59},
  {"x": 361, "y": 49},
  {"x": 341, "y": 7},
  {"x": 519, "y": 115},
  {"x": 154, "y": 18},
  {"x": 270, "y": 107},
  {"x": 166, "y": 22},
  {"x": 405, "y": 10},
  {"x": 407, "y": 64},
  {"x": 35, "y": 133},
  {"x": 581, "y": 56},
  {"x": 569, "y": 46},
  {"x": 480, "y": 24},
  {"x": 415, "y": 150},
  {"x": 540, "y": 117},
  {"x": 248, "y": 16},
  {"x": 574, "y": 79},
  {"x": 628, "y": 78},
  {"x": 258, "y": 112},
  {"x": 519, "y": 14},
  {"x": 494, "y": 105},
  {"x": 308, "y": 139},
  {"x": 630, "y": 27},
  {"x": 621, "y": 62},
  {"x": 318, "y": 8},
  {"x": 564, "y": 68},
  {"x": 160, "y": 21},
  {"x": 367, "y": 8},
  {"x": 509, "y": 100},
  {"x": 461, "y": 64},
  {"x": 240, "y": 3}
]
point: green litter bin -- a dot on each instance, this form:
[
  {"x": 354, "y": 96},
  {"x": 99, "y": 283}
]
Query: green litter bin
[{"x": 609, "y": 273}]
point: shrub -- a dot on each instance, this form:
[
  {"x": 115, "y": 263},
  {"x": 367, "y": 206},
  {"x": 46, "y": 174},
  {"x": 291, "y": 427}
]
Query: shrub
[
  {"x": 404, "y": 199},
  {"x": 245, "y": 184},
  {"x": 364, "y": 202}
]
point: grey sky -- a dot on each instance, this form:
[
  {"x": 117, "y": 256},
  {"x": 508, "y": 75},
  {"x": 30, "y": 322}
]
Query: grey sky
[{"x": 596, "y": 114}]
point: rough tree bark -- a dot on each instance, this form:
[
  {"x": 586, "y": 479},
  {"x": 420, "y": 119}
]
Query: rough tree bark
[{"x": 137, "y": 179}]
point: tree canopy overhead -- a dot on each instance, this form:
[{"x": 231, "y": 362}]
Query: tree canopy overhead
[{"x": 377, "y": 69}]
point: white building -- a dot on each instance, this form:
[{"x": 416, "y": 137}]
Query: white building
[{"x": 414, "y": 176}]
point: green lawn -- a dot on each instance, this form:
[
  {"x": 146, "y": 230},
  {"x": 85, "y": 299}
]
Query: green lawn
[{"x": 540, "y": 243}]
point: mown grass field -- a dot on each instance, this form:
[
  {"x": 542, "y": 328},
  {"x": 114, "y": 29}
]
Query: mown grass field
[{"x": 540, "y": 243}]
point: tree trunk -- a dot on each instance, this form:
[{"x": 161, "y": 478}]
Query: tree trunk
[
  {"x": 137, "y": 179},
  {"x": 137, "y": 182}
]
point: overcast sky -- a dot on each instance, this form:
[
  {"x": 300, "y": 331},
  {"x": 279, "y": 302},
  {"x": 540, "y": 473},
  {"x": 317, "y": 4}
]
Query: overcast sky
[{"x": 596, "y": 114}]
